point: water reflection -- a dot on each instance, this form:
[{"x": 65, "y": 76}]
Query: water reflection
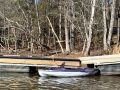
[
  {"x": 81, "y": 83},
  {"x": 9, "y": 74},
  {"x": 59, "y": 80},
  {"x": 24, "y": 81},
  {"x": 17, "y": 81}
]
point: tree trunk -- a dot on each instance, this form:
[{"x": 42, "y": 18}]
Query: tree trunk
[
  {"x": 111, "y": 23},
  {"x": 38, "y": 22},
  {"x": 90, "y": 28},
  {"x": 105, "y": 26},
  {"x": 118, "y": 21},
  {"x": 55, "y": 34},
  {"x": 66, "y": 32},
  {"x": 15, "y": 39},
  {"x": 60, "y": 19},
  {"x": 72, "y": 37},
  {"x": 31, "y": 45},
  {"x": 86, "y": 33},
  {"x": 118, "y": 31}
]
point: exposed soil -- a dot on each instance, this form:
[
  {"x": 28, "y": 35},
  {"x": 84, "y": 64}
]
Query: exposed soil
[{"x": 52, "y": 53}]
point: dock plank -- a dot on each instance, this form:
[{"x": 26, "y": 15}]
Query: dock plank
[
  {"x": 100, "y": 60},
  {"x": 38, "y": 62}
]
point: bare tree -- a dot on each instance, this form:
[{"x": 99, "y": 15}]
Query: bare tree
[
  {"x": 111, "y": 22},
  {"x": 66, "y": 29},
  {"x": 72, "y": 26},
  {"x": 105, "y": 26},
  {"x": 60, "y": 20},
  {"x": 118, "y": 21},
  {"x": 87, "y": 50},
  {"x": 55, "y": 34},
  {"x": 79, "y": 23}
]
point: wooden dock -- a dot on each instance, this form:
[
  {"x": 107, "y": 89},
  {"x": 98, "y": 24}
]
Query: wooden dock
[
  {"x": 37, "y": 61},
  {"x": 107, "y": 64},
  {"x": 100, "y": 60},
  {"x": 53, "y": 61}
]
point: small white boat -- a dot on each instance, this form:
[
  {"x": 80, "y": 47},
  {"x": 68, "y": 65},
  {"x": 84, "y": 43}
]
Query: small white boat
[{"x": 67, "y": 72}]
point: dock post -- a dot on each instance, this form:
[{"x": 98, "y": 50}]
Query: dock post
[{"x": 33, "y": 70}]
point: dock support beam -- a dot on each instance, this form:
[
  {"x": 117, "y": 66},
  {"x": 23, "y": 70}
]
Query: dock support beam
[{"x": 33, "y": 70}]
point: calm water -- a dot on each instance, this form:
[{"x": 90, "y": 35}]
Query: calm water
[{"x": 24, "y": 81}]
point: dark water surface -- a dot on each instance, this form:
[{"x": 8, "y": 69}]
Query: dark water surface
[{"x": 24, "y": 81}]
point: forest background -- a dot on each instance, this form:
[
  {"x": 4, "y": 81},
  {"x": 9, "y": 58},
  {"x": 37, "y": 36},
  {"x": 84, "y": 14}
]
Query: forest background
[{"x": 47, "y": 27}]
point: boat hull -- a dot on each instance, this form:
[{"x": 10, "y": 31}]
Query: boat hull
[
  {"x": 66, "y": 73},
  {"x": 47, "y": 73}
]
